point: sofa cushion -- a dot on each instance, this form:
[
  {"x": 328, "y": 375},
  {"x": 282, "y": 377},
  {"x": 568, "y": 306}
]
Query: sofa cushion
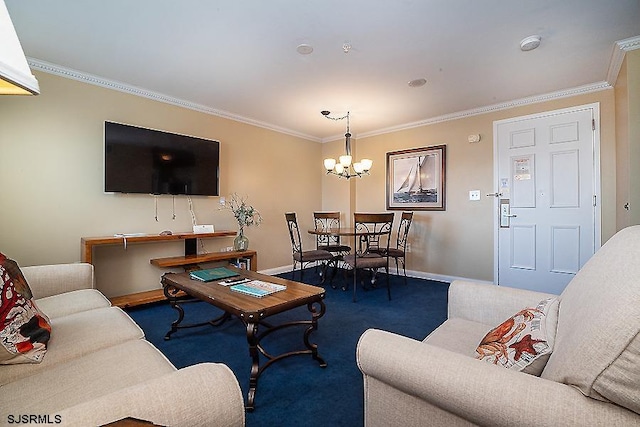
[
  {"x": 79, "y": 334},
  {"x": 597, "y": 343},
  {"x": 85, "y": 378},
  {"x": 524, "y": 341},
  {"x": 24, "y": 329},
  {"x": 458, "y": 335},
  {"x": 47, "y": 280},
  {"x": 72, "y": 302}
]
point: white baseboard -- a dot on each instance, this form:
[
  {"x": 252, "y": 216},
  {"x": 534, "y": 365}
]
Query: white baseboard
[
  {"x": 441, "y": 277},
  {"x": 410, "y": 273},
  {"x": 277, "y": 270}
]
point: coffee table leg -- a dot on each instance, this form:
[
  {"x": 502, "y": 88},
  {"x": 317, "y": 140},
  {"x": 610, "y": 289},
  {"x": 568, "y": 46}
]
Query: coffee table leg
[
  {"x": 317, "y": 309},
  {"x": 170, "y": 292},
  {"x": 316, "y": 313},
  {"x": 252, "y": 338}
]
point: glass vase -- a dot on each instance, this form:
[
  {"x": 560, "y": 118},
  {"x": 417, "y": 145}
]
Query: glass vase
[{"x": 241, "y": 242}]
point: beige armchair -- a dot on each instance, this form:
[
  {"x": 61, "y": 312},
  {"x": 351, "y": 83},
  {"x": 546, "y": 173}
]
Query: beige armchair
[{"x": 591, "y": 378}]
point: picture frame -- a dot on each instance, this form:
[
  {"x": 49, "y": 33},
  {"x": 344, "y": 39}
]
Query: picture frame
[{"x": 416, "y": 179}]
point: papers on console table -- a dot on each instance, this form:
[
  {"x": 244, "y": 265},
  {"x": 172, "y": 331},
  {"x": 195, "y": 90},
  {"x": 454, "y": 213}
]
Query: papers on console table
[{"x": 257, "y": 288}]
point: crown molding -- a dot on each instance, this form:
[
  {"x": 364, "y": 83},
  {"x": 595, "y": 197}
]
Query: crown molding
[
  {"x": 580, "y": 90},
  {"x": 620, "y": 48},
  {"x": 69, "y": 73}
]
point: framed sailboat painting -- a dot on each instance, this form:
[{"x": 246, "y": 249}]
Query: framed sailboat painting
[{"x": 416, "y": 179}]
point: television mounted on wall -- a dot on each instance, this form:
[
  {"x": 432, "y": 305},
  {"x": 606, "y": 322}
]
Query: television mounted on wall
[{"x": 148, "y": 161}]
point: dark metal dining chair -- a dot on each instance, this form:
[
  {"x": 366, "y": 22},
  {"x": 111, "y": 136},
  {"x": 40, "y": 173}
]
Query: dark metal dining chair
[
  {"x": 400, "y": 251},
  {"x": 325, "y": 221},
  {"x": 372, "y": 246},
  {"x": 301, "y": 256}
]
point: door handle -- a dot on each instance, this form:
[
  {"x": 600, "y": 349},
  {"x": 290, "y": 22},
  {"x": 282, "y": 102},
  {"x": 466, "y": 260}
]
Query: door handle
[{"x": 505, "y": 213}]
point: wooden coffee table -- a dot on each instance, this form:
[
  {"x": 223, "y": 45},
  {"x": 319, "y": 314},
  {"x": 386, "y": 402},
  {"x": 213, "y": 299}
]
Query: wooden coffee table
[{"x": 253, "y": 313}]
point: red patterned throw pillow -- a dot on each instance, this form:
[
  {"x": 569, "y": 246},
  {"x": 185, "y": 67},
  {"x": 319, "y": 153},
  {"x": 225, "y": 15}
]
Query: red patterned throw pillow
[
  {"x": 25, "y": 329},
  {"x": 524, "y": 341}
]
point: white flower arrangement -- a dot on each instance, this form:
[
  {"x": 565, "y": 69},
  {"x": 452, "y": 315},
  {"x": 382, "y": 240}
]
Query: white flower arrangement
[{"x": 245, "y": 214}]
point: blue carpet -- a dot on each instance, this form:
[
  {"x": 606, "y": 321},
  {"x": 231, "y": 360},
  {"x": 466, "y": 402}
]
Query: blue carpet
[{"x": 296, "y": 391}]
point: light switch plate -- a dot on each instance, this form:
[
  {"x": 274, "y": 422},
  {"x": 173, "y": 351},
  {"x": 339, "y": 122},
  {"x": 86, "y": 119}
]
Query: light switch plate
[{"x": 474, "y": 195}]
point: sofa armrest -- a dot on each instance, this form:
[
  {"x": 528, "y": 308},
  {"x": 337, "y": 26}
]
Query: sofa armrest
[
  {"x": 48, "y": 280},
  {"x": 469, "y": 389},
  {"x": 489, "y": 304},
  {"x": 206, "y": 394}
]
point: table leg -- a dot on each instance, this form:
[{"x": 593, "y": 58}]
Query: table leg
[
  {"x": 317, "y": 309},
  {"x": 171, "y": 293},
  {"x": 316, "y": 313},
  {"x": 252, "y": 339}
]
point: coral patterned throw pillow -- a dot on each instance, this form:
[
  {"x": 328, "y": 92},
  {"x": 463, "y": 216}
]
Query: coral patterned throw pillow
[
  {"x": 25, "y": 330},
  {"x": 524, "y": 341}
]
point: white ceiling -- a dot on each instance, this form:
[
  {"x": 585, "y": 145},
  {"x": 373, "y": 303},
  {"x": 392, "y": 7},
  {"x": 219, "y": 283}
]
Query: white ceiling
[{"x": 238, "y": 59}]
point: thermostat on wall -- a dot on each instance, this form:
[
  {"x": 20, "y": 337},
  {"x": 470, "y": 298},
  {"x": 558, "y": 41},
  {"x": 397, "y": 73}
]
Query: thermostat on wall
[{"x": 474, "y": 138}]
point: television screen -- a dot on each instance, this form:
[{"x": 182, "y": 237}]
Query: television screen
[{"x": 139, "y": 160}]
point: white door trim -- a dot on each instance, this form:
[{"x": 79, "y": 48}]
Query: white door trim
[{"x": 595, "y": 108}]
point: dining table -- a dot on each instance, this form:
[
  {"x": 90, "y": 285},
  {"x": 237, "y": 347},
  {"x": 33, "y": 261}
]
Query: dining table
[
  {"x": 347, "y": 232},
  {"x": 339, "y": 231}
]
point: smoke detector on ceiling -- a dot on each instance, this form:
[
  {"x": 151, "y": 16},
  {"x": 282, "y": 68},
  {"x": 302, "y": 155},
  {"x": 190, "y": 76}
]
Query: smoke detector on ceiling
[
  {"x": 530, "y": 43},
  {"x": 304, "y": 49},
  {"x": 417, "y": 82}
]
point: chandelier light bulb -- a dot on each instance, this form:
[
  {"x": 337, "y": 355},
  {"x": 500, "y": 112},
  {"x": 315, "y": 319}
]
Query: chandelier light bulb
[
  {"x": 366, "y": 164},
  {"x": 339, "y": 168},
  {"x": 358, "y": 168},
  {"x": 329, "y": 164},
  {"x": 345, "y": 161}
]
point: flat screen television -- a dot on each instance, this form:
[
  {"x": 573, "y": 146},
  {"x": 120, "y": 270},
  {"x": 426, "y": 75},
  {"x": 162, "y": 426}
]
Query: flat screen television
[{"x": 140, "y": 160}]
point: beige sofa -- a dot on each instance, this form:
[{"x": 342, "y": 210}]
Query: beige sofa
[
  {"x": 99, "y": 368},
  {"x": 591, "y": 378}
]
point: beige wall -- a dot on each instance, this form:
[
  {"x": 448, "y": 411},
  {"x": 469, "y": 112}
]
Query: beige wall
[
  {"x": 458, "y": 242},
  {"x": 627, "y": 99},
  {"x": 622, "y": 148},
  {"x": 51, "y": 170},
  {"x": 633, "y": 73},
  {"x": 51, "y": 156}
]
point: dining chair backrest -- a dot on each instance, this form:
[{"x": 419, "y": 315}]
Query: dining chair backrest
[
  {"x": 375, "y": 229},
  {"x": 294, "y": 232},
  {"x": 403, "y": 230},
  {"x": 325, "y": 221}
]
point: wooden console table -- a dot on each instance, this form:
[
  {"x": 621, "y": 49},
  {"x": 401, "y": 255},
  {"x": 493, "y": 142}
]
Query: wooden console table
[
  {"x": 190, "y": 241},
  {"x": 188, "y": 261}
]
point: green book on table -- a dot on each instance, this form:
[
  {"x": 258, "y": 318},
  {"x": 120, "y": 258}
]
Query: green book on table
[{"x": 211, "y": 274}]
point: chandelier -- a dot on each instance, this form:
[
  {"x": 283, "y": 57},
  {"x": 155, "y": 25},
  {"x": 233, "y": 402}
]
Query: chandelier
[{"x": 342, "y": 167}]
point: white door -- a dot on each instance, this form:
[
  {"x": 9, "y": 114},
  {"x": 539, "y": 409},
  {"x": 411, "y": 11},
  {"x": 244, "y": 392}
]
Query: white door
[{"x": 547, "y": 203}]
